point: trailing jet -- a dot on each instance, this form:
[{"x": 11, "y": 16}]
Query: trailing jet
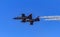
[
  {"x": 33, "y": 20},
  {"x": 23, "y": 17}
]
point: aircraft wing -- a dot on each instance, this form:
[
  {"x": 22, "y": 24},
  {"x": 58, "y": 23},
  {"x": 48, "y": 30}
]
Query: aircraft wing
[
  {"x": 23, "y": 15},
  {"x": 23, "y": 20},
  {"x": 31, "y": 23}
]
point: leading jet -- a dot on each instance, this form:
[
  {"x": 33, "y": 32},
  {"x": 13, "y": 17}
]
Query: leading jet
[{"x": 23, "y": 17}]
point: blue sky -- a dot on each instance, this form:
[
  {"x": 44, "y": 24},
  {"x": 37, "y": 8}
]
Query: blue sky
[{"x": 13, "y": 28}]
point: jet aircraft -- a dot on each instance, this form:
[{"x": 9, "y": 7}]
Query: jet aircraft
[
  {"x": 23, "y": 17},
  {"x": 29, "y": 18}
]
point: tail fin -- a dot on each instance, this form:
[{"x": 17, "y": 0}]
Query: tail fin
[
  {"x": 37, "y": 19},
  {"x": 30, "y": 16}
]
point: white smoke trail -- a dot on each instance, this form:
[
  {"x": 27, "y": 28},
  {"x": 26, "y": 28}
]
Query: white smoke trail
[{"x": 51, "y": 17}]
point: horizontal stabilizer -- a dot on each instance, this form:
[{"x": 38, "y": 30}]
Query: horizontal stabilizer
[{"x": 37, "y": 19}]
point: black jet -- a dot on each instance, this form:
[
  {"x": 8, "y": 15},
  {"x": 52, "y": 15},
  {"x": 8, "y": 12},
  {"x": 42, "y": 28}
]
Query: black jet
[
  {"x": 23, "y": 17},
  {"x": 33, "y": 20}
]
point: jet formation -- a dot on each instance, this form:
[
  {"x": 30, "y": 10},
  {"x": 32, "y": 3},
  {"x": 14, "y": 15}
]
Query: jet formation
[{"x": 25, "y": 18}]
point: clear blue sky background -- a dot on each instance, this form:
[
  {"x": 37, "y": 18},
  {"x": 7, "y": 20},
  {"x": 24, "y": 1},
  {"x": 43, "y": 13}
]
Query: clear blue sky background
[{"x": 13, "y": 28}]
